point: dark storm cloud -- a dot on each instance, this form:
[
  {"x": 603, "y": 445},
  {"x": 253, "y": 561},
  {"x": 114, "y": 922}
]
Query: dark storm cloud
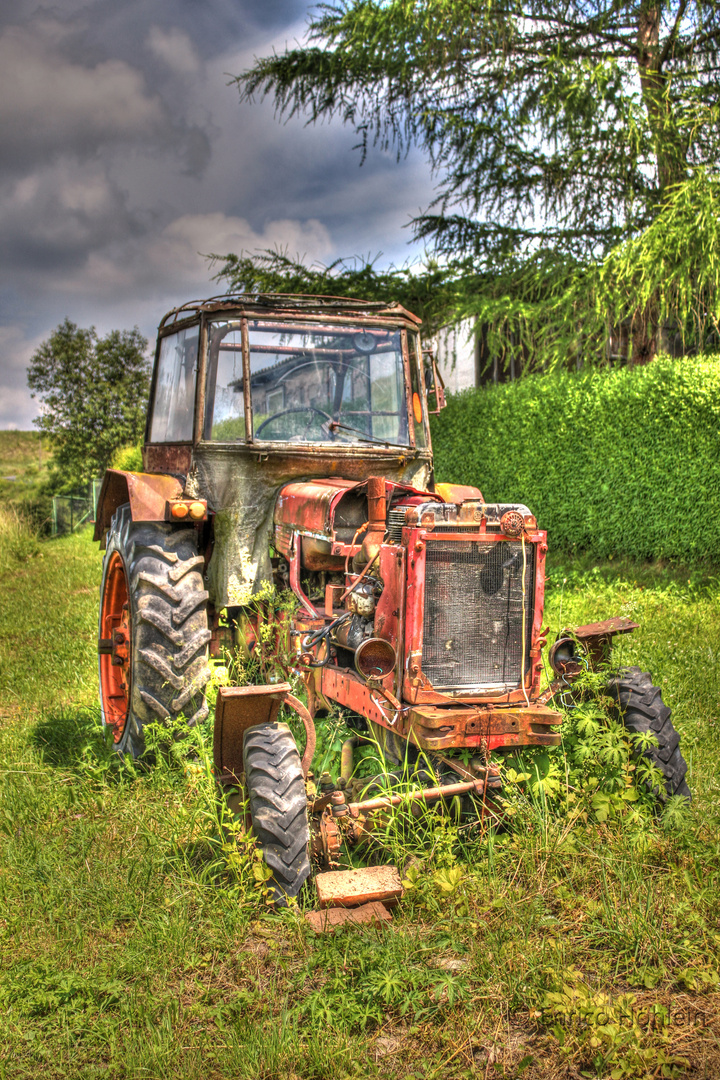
[
  {"x": 52, "y": 219},
  {"x": 54, "y": 105},
  {"x": 126, "y": 155},
  {"x": 82, "y": 76},
  {"x": 109, "y": 22}
]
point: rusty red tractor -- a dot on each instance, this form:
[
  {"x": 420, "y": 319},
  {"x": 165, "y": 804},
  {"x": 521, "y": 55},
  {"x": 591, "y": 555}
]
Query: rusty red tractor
[{"x": 288, "y": 442}]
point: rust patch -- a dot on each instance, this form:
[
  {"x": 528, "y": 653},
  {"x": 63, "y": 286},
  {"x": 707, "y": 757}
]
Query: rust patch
[
  {"x": 237, "y": 709},
  {"x": 241, "y": 707},
  {"x": 167, "y": 458}
]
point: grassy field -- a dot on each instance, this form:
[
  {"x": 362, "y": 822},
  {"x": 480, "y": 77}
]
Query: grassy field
[
  {"x": 135, "y": 943},
  {"x": 24, "y": 462}
]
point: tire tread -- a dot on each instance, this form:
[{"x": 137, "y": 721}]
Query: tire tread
[{"x": 278, "y": 806}]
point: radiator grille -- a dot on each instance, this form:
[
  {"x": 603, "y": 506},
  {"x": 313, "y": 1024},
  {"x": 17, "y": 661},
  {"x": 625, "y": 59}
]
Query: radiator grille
[{"x": 472, "y": 629}]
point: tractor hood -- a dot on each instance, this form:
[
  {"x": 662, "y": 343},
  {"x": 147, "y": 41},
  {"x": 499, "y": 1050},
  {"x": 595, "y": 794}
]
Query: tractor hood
[{"x": 331, "y": 510}]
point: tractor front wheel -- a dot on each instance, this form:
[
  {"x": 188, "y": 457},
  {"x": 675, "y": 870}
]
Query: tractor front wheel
[
  {"x": 153, "y": 630},
  {"x": 643, "y": 711},
  {"x": 278, "y": 806}
]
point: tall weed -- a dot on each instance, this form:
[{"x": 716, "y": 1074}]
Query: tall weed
[{"x": 18, "y": 537}]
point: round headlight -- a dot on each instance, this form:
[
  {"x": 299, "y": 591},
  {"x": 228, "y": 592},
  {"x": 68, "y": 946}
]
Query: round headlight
[
  {"x": 563, "y": 657},
  {"x": 375, "y": 658}
]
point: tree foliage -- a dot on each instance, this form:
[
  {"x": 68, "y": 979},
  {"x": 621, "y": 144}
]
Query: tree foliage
[
  {"x": 94, "y": 394},
  {"x": 430, "y": 291},
  {"x": 559, "y": 134}
]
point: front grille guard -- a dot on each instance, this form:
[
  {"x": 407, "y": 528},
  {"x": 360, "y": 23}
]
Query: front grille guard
[
  {"x": 473, "y": 615},
  {"x": 464, "y": 616}
]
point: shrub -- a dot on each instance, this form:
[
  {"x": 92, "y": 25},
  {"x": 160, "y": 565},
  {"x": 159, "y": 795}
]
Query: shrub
[
  {"x": 128, "y": 458},
  {"x": 36, "y": 510},
  {"x": 611, "y": 462}
]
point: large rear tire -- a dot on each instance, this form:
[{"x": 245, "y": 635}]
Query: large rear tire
[
  {"x": 153, "y": 629},
  {"x": 643, "y": 711},
  {"x": 278, "y": 806}
]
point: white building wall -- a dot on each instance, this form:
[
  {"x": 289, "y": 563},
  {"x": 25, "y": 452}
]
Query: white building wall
[{"x": 455, "y": 351}]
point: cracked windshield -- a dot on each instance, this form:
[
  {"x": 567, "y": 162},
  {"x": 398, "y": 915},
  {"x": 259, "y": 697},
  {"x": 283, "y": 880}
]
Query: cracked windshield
[{"x": 329, "y": 384}]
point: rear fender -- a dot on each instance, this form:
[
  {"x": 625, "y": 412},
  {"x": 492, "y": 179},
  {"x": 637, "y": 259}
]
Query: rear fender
[{"x": 147, "y": 493}]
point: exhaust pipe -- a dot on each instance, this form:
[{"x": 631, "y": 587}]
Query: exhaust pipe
[{"x": 377, "y": 514}]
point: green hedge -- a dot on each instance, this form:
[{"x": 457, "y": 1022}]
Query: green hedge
[{"x": 611, "y": 462}]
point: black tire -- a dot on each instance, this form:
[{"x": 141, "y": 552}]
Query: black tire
[
  {"x": 395, "y": 749},
  {"x": 168, "y": 623},
  {"x": 278, "y": 806},
  {"x": 642, "y": 710}
]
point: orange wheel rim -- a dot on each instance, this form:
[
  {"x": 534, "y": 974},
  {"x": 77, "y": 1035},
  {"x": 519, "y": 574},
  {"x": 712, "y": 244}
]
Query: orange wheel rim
[{"x": 115, "y": 670}]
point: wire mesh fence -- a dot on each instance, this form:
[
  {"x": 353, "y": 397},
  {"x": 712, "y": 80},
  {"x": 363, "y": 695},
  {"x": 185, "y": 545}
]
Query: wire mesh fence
[{"x": 71, "y": 512}]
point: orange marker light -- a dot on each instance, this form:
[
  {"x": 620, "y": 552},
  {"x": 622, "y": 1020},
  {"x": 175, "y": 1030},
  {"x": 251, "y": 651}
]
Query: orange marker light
[
  {"x": 179, "y": 510},
  {"x": 417, "y": 408},
  {"x": 197, "y": 510}
]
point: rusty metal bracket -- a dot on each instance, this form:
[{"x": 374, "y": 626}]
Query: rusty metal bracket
[
  {"x": 492, "y": 775},
  {"x": 147, "y": 493},
  {"x": 596, "y": 641},
  {"x": 310, "y": 737},
  {"x": 330, "y": 840},
  {"x": 620, "y": 624}
]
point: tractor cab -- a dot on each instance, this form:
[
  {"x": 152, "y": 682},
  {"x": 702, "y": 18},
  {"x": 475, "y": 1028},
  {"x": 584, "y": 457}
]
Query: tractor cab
[
  {"x": 249, "y": 393},
  {"x": 279, "y": 371}
]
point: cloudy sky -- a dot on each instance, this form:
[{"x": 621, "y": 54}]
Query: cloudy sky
[{"x": 125, "y": 155}]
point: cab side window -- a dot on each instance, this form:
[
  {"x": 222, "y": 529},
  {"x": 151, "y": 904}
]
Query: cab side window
[{"x": 174, "y": 406}]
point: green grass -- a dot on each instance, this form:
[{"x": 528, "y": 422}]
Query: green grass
[
  {"x": 133, "y": 945},
  {"x": 24, "y": 463},
  {"x": 48, "y": 623}
]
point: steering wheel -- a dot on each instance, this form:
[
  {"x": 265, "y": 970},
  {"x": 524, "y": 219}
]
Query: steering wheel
[{"x": 296, "y": 409}]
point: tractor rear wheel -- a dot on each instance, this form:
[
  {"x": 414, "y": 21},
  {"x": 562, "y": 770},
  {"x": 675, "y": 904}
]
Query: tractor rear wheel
[
  {"x": 643, "y": 711},
  {"x": 278, "y": 806},
  {"x": 153, "y": 630}
]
